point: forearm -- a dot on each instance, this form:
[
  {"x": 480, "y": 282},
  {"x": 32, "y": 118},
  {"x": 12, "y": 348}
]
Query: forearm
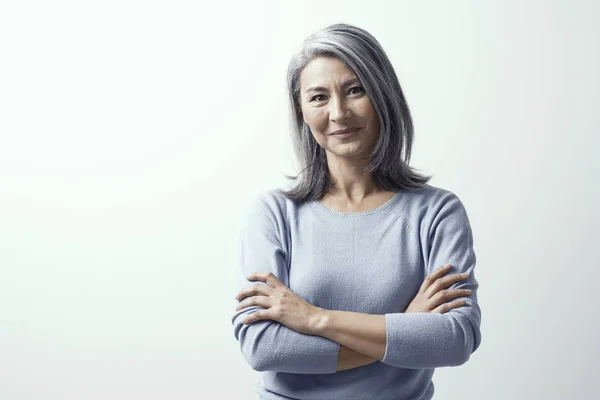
[
  {"x": 270, "y": 346},
  {"x": 348, "y": 359},
  {"x": 416, "y": 340},
  {"x": 363, "y": 333}
]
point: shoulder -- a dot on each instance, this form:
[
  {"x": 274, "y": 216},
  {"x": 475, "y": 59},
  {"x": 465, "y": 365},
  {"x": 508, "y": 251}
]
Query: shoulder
[
  {"x": 430, "y": 196},
  {"x": 437, "y": 209},
  {"x": 447, "y": 212},
  {"x": 268, "y": 207},
  {"x": 270, "y": 202}
]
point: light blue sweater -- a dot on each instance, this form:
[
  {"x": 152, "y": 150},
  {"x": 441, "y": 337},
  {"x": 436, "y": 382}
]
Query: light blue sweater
[{"x": 371, "y": 262}]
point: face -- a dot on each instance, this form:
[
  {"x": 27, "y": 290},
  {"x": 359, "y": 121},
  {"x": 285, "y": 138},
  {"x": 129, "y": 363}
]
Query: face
[{"x": 332, "y": 98}]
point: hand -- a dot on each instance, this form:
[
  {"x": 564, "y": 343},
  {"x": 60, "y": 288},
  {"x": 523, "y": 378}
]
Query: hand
[
  {"x": 432, "y": 299},
  {"x": 281, "y": 304}
]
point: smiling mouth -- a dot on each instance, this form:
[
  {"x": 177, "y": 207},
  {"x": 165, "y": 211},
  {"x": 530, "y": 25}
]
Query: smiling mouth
[
  {"x": 345, "y": 134},
  {"x": 346, "y": 131}
]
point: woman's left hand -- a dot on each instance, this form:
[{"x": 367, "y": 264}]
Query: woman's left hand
[{"x": 281, "y": 303}]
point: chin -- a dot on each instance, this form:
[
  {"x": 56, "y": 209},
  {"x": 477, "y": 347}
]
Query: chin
[{"x": 349, "y": 153}]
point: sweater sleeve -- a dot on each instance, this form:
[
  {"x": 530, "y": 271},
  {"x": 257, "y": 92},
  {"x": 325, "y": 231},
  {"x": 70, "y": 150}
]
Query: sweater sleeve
[
  {"x": 268, "y": 345},
  {"x": 432, "y": 340}
]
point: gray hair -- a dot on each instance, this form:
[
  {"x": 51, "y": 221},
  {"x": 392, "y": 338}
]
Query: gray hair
[{"x": 389, "y": 160}]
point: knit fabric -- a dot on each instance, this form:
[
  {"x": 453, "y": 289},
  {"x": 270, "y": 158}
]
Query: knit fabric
[{"x": 371, "y": 262}]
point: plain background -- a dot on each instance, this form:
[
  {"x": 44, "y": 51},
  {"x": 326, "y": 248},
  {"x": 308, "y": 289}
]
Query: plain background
[{"x": 133, "y": 134}]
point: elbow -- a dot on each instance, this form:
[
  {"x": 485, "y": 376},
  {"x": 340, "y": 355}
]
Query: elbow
[
  {"x": 458, "y": 356},
  {"x": 256, "y": 363},
  {"x": 469, "y": 342},
  {"x": 255, "y": 354},
  {"x": 465, "y": 355},
  {"x": 254, "y": 358},
  {"x": 461, "y": 357}
]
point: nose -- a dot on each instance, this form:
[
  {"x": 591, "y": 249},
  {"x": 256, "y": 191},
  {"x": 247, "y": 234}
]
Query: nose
[{"x": 338, "y": 111}]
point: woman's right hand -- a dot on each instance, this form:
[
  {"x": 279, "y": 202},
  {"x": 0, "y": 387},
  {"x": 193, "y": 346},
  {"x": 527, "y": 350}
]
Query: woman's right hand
[{"x": 431, "y": 297}]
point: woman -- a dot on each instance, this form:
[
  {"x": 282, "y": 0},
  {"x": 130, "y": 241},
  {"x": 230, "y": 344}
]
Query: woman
[{"x": 341, "y": 293}]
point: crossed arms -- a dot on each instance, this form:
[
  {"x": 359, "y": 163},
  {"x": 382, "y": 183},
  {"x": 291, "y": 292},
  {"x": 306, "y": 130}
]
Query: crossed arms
[{"x": 348, "y": 339}]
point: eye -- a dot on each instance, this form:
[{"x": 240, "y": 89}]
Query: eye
[{"x": 360, "y": 90}]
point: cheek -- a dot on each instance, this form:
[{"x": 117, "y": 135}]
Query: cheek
[
  {"x": 375, "y": 122},
  {"x": 373, "y": 118},
  {"x": 316, "y": 122}
]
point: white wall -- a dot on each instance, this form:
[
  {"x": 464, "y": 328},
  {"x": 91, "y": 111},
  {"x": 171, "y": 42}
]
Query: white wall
[{"x": 132, "y": 135}]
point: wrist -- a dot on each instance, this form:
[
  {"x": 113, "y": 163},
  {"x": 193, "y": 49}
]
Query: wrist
[{"x": 320, "y": 321}]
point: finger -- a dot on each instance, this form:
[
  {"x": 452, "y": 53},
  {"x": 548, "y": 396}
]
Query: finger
[
  {"x": 443, "y": 308},
  {"x": 429, "y": 279},
  {"x": 261, "y": 301},
  {"x": 446, "y": 281},
  {"x": 270, "y": 278},
  {"x": 251, "y": 290},
  {"x": 447, "y": 295},
  {"x": 255, "y": 316}
]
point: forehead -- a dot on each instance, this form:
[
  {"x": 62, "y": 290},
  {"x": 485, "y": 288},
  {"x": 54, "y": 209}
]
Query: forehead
[{"x": 323, "y": 70}]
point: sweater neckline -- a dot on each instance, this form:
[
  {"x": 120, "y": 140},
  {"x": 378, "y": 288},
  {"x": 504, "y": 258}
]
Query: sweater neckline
[{"x": 320, "y": 206}]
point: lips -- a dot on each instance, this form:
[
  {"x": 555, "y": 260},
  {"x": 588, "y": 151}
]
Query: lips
[{"x": 340, "y": 132}]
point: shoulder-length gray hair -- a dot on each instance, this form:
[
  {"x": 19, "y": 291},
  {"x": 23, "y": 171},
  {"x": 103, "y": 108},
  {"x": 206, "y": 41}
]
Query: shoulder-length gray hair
[{"x": 389, "y": 160}]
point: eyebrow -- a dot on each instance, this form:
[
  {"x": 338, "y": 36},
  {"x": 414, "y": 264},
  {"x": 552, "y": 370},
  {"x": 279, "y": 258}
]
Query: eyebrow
[{"x": 321, "y": 88}]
